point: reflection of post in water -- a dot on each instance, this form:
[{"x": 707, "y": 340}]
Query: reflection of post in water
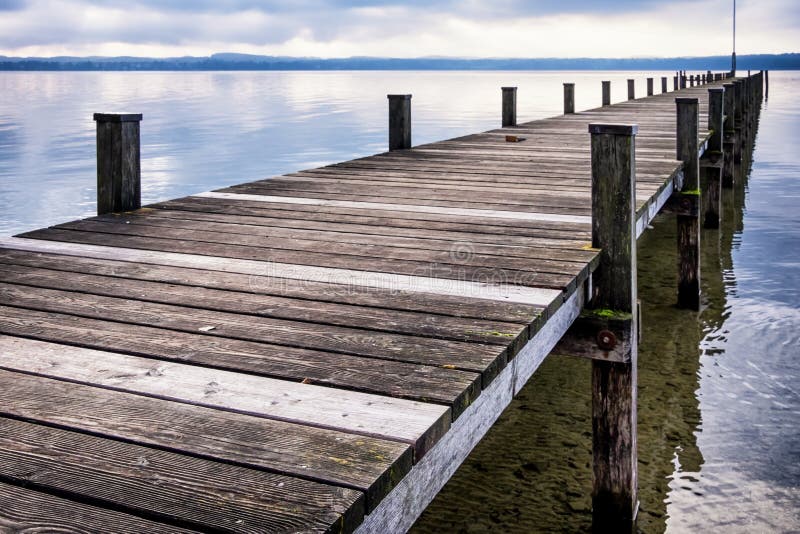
[{"x": 669, "y": 412}]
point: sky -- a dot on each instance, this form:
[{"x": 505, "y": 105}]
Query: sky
[{"x": 391, "y": 28}]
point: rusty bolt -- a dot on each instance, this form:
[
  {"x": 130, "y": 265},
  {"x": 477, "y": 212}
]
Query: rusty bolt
[{"x": 606, "y": 340}]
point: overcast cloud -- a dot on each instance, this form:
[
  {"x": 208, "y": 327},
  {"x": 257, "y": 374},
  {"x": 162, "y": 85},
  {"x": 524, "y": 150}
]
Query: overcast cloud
[{"x": 338, "y": 28}]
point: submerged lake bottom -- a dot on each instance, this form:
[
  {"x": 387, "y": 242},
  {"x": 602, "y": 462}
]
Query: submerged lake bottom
[{"x": 719, "y": 390}]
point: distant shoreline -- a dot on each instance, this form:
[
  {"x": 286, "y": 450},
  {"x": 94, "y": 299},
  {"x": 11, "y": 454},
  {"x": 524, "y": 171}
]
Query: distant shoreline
[{"x": 231, "y": 62}]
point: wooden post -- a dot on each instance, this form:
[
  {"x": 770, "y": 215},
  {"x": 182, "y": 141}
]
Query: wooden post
[
  {"x": 729, "y": 136},
  {"x": 689, "y": 202},
  {"x": 119, "y": 175},
  {"x": 569, "y": 98},
  {"x": 509, "y": 106},
  {"x": 649, "y": 86},
  {"x": 766, "y": 84},
  {"x": 614, "y": 487},
  {"x": 399, "y": 122},
  {"x": 606, "y": 93},
  {"x": 663, "y": 84},
  {"x": 691, "y": 80},
  {"x": 631, "y": 92},
  {"x": 712, "y": 196},
  {"x": 674, "y": 83},
  {"x": 683, "y": 81},
  {"x": 738, "y": 118}
]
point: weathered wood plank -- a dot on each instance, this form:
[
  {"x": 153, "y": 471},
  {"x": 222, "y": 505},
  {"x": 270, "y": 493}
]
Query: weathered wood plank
[
  {"x": 302, "y": 227},
  {"x": 403, "y": 221},
  {"x": 544, "y": 259},
  {"x": 26, "y": 510},
  {"x": 353, "y": 295},
  {"x": 338, "y": 265},
  {"x": 346, "y": 411},
  {"x": 367, "y": 464},
  {"x": 179, "y": 490},
  {"x": 535, "y": 296},
  {"x": 446, "y": 210},
  {"x": 478, "y": 357},
  {"x": 393, "y": 321},
  {"x": 383, "y": 377}
]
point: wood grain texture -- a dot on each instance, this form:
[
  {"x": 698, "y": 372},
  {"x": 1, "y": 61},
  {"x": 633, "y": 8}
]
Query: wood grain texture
[
  {"x": 370, "y": 465},
  {"x": 482, "y": 309},
  {"x": 420, "y": 208},
  {"x": 614, "y": 483},
  {"x": 378, "y": 319},
  {"x": 358, "y": 413},
  {"x": 477, "y": 357},
  {"x": 24, "y": 510},
  {"x": 118, "y": 164},
  {"x": 383, "y": 377},
  {"x": 535, "y": 296},
  {"x": 178, "y": 490}
]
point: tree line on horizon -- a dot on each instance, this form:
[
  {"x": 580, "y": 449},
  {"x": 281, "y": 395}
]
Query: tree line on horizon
[{"x": 789, "y": 61}]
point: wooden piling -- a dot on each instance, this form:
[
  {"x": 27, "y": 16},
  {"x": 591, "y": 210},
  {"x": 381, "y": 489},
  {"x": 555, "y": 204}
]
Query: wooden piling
[
  {"x": 738, "y": 92},
  {"x": 509, "y": 106},
  {"x": 766, "y": 83},
  {"x": 631, "y": 90},
  {"x": 674, "y": 83},
  {"x": 649, "y": 86},
  {"x": 606, "y": 93},
  {"x": 569, "y": 98},
  {"x": 399, "y": 122},
  {"x": 683, "y": 81},
  {"x": 663, "y": 84},
  {"x": 118, "y": 162},
  {"x": 614, "y": 489},
  {"x": 729, "y": 136},
  {"x": 712, "y": 196},
  {"x": 689, "y": 204}
]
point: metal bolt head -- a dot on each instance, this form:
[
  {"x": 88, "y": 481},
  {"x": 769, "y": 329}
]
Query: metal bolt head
[{"x": 606, "y": 340}]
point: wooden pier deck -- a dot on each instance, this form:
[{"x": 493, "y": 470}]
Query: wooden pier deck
[{"x": 312, "y": 352}]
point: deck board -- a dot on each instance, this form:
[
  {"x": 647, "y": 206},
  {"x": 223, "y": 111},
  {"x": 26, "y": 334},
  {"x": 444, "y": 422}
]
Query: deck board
[{"x": 299, "y": 352}]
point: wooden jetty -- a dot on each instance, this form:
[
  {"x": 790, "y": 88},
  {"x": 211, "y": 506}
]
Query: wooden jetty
[{"x": 320, "y": 351}]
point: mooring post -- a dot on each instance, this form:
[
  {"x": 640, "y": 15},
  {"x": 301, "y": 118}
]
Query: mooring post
[
  {"x": 399, "y": 122},
  {"x": 674, "y": 83},
  {"x": 683, "y": 81},
  {"x": 738, "y": 118},
  {"x": 631, "y": 93},
  {"x": 569, "y": 98},
  {"x": 649, "y": 86},
  {"x": 689, "y": 204},
  {"x": 606, "y": 93},
  {"x": 712, "y": 197},
  {"x": 119, "y": 175},
  {"x": 509, "y": 106},
  {"x": 766, "y": 84},
  {"x": 663, "y": 84},
  {"x": 729, "y": 136},
  {"x": 614, "y": 487},
  {"x": 691, "y": 80}
]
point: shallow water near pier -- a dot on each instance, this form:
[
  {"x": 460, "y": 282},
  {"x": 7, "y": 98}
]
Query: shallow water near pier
[{"x": 719, "y": 390}]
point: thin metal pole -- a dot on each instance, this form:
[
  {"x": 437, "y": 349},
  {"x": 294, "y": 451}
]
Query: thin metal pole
[{"x": 733, "y": 56}]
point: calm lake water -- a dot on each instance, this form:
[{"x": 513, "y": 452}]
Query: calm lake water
[{"x": 719, "y": 397}]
